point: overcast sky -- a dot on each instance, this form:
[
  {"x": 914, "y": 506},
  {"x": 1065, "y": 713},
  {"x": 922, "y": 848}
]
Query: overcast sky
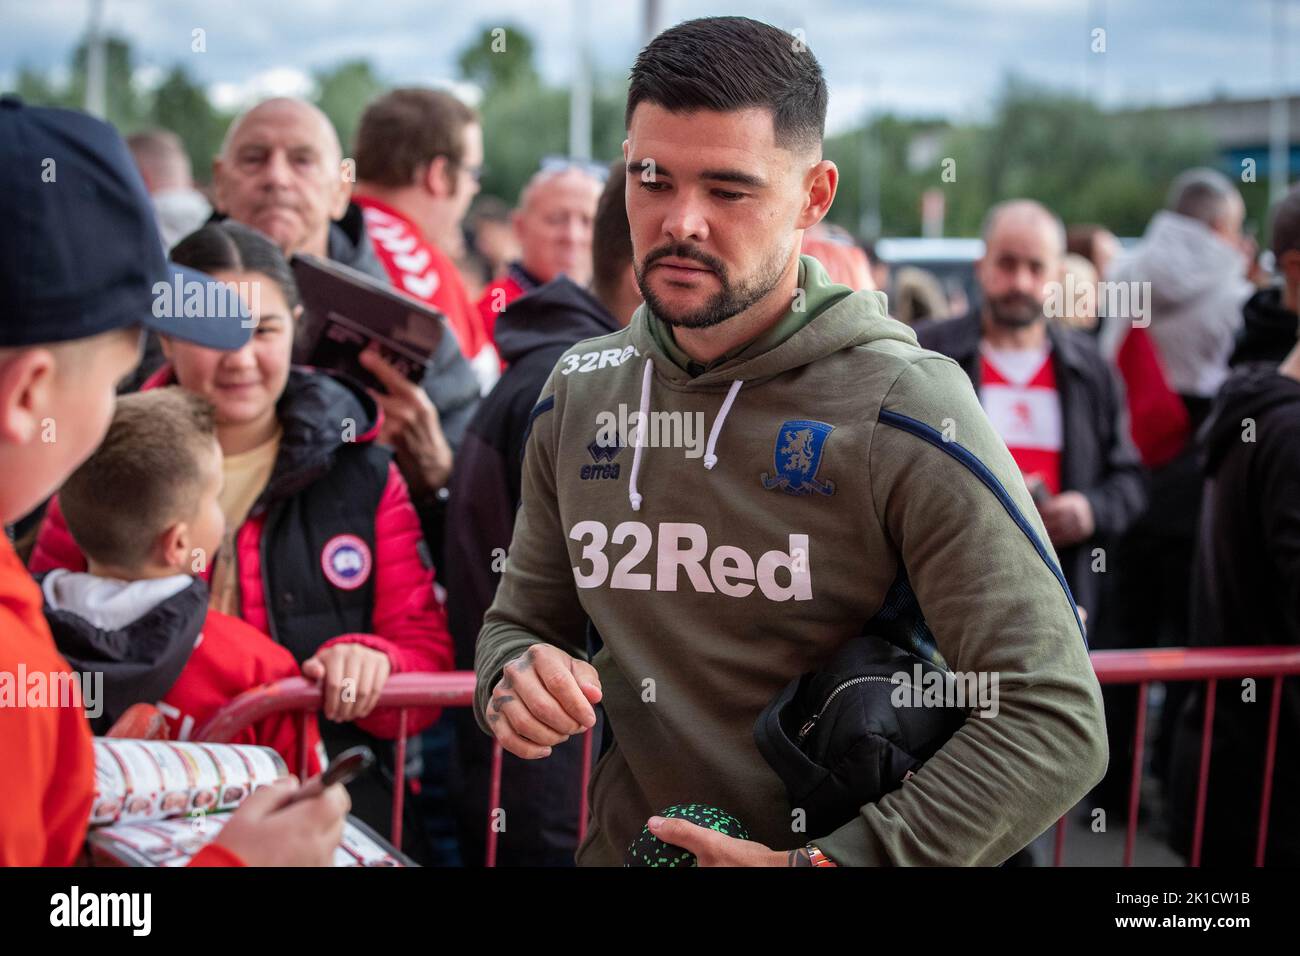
[{"x": 916, "y": 57}]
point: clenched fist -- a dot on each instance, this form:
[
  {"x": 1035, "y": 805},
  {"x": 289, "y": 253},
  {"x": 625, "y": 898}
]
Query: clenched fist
[{"x": 544, "y": 697}]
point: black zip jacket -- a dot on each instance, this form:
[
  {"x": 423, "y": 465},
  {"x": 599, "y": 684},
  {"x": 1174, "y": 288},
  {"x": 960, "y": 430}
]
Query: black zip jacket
[{"x": 1097, "y": 458}]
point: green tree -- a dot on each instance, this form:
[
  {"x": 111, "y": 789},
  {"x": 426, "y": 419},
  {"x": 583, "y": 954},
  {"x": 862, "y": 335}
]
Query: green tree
[
  {"x": 1058, "y": 148},
  {"x": 342, "y": 94},
  {"x": 123, "y": 105},
  {"x": 35, "y": 88},
  {"x": 182, "y": 106},
  {"x": 523, "y": 118},
  {"x": 499, "y": 58}
]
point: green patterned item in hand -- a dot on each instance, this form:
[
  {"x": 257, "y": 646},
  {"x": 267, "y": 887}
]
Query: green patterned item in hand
[{"x": 648, "y": 850}]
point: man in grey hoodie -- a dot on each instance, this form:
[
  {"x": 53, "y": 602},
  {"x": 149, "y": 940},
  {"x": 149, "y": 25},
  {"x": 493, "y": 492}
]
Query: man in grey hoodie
[
  {"x": 848, "y": 475},
  {"x": 1192, "y": 254}
]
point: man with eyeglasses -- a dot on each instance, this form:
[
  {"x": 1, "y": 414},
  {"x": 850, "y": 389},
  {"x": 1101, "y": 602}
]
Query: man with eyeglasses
[
  {"x": 419, "y": 156},
  {"x": 554, "y": 226}
]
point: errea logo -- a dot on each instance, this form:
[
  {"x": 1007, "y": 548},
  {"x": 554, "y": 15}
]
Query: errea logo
[
  {"x": 603, "y": 457},
  {"x": 591, "y": 361}
]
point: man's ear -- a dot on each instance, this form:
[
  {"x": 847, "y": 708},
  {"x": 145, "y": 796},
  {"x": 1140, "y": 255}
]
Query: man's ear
[
  {"x": 166, "y": 344},
  {"x": 26, "y": 381},
  {"x": 437, "y": 178},
  {"x": 218, "y": 185},
  {"x": 823, "y": 179},
  {"x": 172, "y": 548},
  {"x": 517, "y": 224},
  {"x": 343, "y": 192}
]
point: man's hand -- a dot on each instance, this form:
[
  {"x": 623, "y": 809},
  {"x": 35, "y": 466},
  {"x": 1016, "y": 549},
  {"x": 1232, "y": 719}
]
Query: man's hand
[
  {"x": 1068, "y": 518},
  {"x": 353, "y": 676},
  {"x": 411, "y": 425},
  {"x": 544, "y": 696},
  {"x": 268, "y": 830},
  {"x": 712, "y": 848}
]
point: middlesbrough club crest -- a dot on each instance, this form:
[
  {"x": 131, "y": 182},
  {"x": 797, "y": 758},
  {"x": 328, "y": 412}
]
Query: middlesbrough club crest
[
  {"x": 798, "y": 455},
  {"x": 346, "y": 561}
]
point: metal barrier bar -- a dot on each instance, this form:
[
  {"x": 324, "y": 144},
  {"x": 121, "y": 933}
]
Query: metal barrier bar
[
  {"x": 402, "y": 692},
  {"x": 1203, "y": 769},
  {"x": 1212, "y": 664},
  {"x": 494, "y": 801},
  {"x": 1141, "y": 667},
  {"x": 1135, "y": 782},
  {"x": 1270, "y": 756}
]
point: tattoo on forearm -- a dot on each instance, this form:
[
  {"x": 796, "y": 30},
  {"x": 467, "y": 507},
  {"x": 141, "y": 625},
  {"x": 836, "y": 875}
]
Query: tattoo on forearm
[{"x": 799, "y": 857}]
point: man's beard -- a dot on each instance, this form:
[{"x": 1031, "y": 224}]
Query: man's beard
[
  {"x": 1015, "y": 311},
  {"x": 730, "y": 299}
]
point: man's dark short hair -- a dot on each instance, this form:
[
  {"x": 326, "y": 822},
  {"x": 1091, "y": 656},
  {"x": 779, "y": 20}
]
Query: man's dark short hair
[
  {"x": 402, "y": 131},
  {"x": 727, "y": 64},
  {"x": 1286, "y": 224},
  {"x": 611, "y": 236}
]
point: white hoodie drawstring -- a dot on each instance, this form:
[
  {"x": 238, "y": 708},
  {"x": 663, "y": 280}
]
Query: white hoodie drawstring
[
  {"x": 634, "y": 497},
  {"x": 710, "y": 459}
]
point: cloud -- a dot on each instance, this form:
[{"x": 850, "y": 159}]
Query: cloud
[{"x": 941, "y": 57}]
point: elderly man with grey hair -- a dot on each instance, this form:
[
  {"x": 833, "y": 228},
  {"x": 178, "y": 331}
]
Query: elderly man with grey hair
[
  {"x": 281, "y": 170},
  {"x": 554, "y": 227},
  {"x": 1193, "y": 257}
]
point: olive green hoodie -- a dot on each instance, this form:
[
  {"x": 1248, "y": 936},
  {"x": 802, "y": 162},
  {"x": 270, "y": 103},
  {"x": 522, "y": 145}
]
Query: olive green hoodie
[{"x": 849, "y": 477}]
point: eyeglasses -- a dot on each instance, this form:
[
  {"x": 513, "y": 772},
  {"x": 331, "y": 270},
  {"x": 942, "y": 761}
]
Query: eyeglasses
[
  {"x": 475, "y": 173},
  {"x": 557, "y": 164}
]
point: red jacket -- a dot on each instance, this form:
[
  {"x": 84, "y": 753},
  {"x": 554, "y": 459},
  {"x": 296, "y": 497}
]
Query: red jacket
[
  {"x": 1157, "y": 416},
  {"x": 498, "y": 295},
  {"x": 406, "y": 621},
  {"x": 46, "y": 759},
  {"x": 229, "y": 658}
]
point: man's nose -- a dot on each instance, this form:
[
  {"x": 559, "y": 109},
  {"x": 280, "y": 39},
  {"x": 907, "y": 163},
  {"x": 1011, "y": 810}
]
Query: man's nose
[
  {"x": 685, "y": 219},
  {"x": 576, "y": 232},
  {"x": 278, "y": 171},
  {"x": 1027, "y": 281}
]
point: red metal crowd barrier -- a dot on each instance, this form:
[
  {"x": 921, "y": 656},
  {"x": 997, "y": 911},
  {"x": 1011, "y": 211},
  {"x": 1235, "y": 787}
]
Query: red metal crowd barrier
[
  {"x": 402, "y": 692},
  {"x": 1210, "y": 664},
  {"x": 1139, "y": 667}
]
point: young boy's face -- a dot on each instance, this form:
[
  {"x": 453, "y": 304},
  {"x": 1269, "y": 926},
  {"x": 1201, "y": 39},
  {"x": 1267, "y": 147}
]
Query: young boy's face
[
  {"x": 55, "y": 405},
  {"x": 208, "y": 525}
]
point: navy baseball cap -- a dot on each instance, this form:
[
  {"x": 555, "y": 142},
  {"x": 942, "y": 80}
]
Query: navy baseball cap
[{"x": 80, "y": 252}]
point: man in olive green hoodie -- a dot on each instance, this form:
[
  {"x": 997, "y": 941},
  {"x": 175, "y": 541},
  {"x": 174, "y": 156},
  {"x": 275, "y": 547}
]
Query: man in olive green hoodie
[{"x": 847, "y": 475}]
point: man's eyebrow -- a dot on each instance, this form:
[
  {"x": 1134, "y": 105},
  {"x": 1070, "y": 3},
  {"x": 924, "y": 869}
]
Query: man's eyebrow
[
  {"x": 638, "y": 166},
  {"x": 734, "y": 176}
]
